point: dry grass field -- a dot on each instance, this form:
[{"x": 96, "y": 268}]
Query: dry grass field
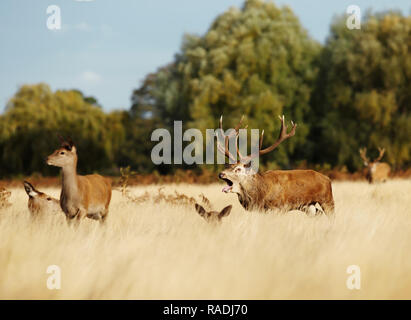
[{"x": 167, "y": 251}]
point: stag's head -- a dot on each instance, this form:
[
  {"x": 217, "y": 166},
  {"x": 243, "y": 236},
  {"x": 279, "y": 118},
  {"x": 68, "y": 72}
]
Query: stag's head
[
  {"x": 371, "y": 164},
  {"x": 65, "y": 155},
  {"x": 236, "y": 175},
  {"x": 241, "y": 173}
]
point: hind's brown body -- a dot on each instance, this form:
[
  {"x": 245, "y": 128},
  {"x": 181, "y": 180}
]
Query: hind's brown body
[
  {"x": 81, "y": 196},
  {"x": 88, "y": 195}
]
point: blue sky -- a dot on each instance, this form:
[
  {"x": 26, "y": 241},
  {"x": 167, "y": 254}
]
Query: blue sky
[{"x": 106, "y": 47}]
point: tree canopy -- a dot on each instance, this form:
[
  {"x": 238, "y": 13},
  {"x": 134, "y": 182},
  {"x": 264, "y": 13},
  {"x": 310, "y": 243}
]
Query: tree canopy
[
  {"x": 363, "y": 95},
  {"x": 257, "y": 61},
  {"x": 354, "y": 91},
  {"x": 35, "y": 115}
]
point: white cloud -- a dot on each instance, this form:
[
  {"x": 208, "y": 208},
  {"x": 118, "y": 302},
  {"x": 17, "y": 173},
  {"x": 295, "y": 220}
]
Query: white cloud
[
  {"x": 104, "y": 29},
  {"x": 82, "y": 26},
  {"x": 90, "y": 78}
]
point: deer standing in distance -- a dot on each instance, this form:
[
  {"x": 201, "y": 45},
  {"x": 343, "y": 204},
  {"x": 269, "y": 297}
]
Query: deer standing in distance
[
  {"x": 376, "y": 171},
  {"x": 40, "y": 203},
  {"x": 81, "y": 196},
  {"x": 274, "y": 189},
  {"x": 213, "y": 216}
]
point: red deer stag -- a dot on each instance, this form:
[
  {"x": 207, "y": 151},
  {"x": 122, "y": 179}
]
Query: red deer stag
[
  {"x": 280, "y": 189},
  {"x": 376, "y": 171},
  {"x": 39, "y": 202},
  {"x": 81, "y": 196}
]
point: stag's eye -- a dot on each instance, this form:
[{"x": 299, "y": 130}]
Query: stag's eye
[
  {"x": 48, "y": 199},
  {"x": 62, "y": 152}
]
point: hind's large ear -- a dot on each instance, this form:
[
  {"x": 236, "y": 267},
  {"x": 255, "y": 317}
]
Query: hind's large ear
[
  {"x": 225, "y": 212},
  {"x": 201, "y": 211},
  {"x": 62, "y": 140},
  {"x": 70, "y": 142},
  {"x": 31, "y": 191},
  {"x": 71, "y": 145}
]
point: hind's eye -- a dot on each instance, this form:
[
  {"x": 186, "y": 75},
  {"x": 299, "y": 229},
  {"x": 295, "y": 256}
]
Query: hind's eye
[
  {"x": 62, "y": 152},
  {"x": 49, "y": 199}
]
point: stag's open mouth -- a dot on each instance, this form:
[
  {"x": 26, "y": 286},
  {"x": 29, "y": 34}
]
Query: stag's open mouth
[{"x": 229, "y": 185}]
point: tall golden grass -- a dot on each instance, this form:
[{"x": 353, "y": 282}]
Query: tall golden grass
[{"x": 156, "y": 249}]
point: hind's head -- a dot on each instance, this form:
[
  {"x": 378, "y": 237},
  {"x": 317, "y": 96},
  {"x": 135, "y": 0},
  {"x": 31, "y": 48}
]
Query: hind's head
[
  {"x": 64, "y": 156},
  {"x": 213, "y": 216},
  {"x": 40, "y": 202}
]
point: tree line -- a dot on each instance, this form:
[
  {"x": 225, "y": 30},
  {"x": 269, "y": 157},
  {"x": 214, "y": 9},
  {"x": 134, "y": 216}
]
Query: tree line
[{"x": 354, "y": 91}]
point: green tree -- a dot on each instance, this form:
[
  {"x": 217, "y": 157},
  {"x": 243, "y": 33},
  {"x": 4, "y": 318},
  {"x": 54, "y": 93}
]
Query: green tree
[
  {"x": 363, "y": 95},
  {"x": 256, "y": 61},
  {"x": 89, "y": 99},
  {"x": 34, "y": 116},
  {"x": 135, "y": 150}
]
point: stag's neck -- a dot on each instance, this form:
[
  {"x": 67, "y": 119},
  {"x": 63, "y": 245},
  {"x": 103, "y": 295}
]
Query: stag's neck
[
  {"x": 69, "y": 181},
  {"x": 252, "y": 191},
  {"x": 253, "y": 183}
]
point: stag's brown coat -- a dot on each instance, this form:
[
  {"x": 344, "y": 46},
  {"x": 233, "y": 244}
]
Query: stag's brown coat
[
  {"x": 375, "y": 171},
  {"x": 281, "y": 189},
  {"x": 277, "y": 189}
]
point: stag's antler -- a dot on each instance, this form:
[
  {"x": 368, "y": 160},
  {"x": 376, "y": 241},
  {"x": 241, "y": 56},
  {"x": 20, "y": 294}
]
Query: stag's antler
[
  {"x": 382, "y": 151},
  {"x": 235, "y": 133},
  {"x": 283, "y": 136},
  {"x": 363, "y": 155}
]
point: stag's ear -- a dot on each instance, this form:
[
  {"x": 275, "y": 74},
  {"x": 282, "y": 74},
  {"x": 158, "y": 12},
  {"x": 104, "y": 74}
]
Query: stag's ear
[
  {"x": 225, "y": 212},
  {"x": 201, "y": 211},
  {"x": 248, "y": 164},
  {"x": 31, "y": 191}
]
